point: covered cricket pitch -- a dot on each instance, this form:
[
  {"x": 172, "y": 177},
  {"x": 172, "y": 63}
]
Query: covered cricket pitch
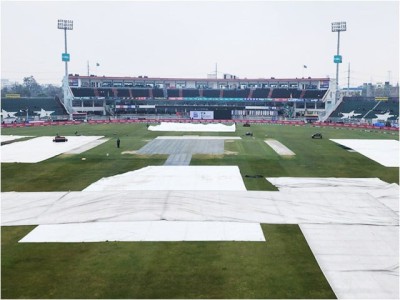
[{"x": 349, "y": 222}]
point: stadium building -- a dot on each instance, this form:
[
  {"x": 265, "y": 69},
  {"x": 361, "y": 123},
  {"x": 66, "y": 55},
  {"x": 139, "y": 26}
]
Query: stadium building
[
  {"x": 309, "y": 99},
  {"x": 227, "y": 98}
]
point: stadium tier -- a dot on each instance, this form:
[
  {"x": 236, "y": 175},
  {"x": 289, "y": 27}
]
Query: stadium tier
[
  {"x": 366, "y": 108},
  {"x": 265, "y": 98},
  {"x": 308, "y": 99},
  {"x": 33, "y": 108},
  {"x": 391, "y": 106}
]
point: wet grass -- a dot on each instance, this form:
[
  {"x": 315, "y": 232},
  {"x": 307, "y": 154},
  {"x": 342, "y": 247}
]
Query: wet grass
[
  {"x": 314, "y": 158},
  {"x": 283, "y": 267}
]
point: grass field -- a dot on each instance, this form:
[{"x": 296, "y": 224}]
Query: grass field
[{"x": 283, "y": 267}]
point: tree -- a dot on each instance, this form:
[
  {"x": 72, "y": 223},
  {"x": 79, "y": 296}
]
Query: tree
[
  {"x": 33, "y": 88},
  {"x": 14, "y": 89},
  {"x": 30, "y": 88},
  {"x": 52, "y": 90}
]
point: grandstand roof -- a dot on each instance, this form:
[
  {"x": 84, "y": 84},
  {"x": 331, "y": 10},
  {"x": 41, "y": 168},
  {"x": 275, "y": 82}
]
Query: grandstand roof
[{"x": 198, "y": 79}]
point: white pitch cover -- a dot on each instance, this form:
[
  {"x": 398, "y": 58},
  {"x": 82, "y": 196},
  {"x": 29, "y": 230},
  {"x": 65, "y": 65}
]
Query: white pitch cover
[
  {"x": 147, "y": 231},
  {"x": 41, "y": 148},
  {"x": 385, "y": 152}
]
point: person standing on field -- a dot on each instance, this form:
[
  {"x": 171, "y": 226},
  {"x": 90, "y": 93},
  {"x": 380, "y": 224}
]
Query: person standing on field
[{"x": 118, "y": 142}]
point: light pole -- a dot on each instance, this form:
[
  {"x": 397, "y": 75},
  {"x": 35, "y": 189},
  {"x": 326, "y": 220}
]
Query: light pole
[
  {"x": 338, "y": 27},
  {"x": 65, "y": 25}
]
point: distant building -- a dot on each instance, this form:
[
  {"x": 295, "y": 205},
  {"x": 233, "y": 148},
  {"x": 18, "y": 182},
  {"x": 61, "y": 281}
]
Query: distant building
[
  {"x": 230, "y": 76},
  {"x": 380, "y": 90},
  {"x": 353, "y": 91}
]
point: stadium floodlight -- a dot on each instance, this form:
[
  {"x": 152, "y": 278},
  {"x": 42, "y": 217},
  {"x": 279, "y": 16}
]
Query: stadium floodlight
[
  {"x": 65, "y": 25},
  {"x": 338, "y": 27}
]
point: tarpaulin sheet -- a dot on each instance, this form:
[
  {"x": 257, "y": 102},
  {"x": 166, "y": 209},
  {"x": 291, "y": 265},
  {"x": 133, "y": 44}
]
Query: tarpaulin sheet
[
  {"x": 7, "y": 138},
  {"x": 359, "y": 261},
  {"x": 146, "y": 231},
  {"x": 169, "y": 126},
  {"x": 350, "y": 224},
  {"x": 238, "y": 206},
  {"x": 174, "y": 178},
  {"x": 41, "y": 148},
  {"x": 385, "y": 152}
]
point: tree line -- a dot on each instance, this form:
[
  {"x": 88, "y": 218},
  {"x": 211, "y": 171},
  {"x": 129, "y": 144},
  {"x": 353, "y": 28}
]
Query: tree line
[{"x": 30, "y": 88}]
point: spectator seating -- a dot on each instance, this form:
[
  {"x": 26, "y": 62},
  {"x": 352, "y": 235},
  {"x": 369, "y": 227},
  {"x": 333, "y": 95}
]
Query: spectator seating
[
  {"x": 390, "y": 106},
  {"x": 281, "y": 93},
  {"x": 140, "y": 93},
  {"x": 194, "y": 93},
  {"x": 260, "y": 93},
  {"x": 359, "y": 105},
  {"x": 123, "y": 93},
  {"x": 190, "y": 93},
  {"x": 33, "y": 104},
  {"x": 105, "y": 92},
  {"x": 83, "y": 92},
  {"x": 314, "y": 94},
  {"x": 158, "y": 93},
  {"x": 211, "y": 93},
  {"x": 243, "y": 93},
  {"x": 173, "y": 93}
]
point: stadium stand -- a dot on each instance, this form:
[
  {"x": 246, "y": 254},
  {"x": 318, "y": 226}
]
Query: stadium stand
[
  {"x": 211, "y": 93},
  {"x": 123, "y": 93},
  {"x": 260, "y": 93},
  {"x": 104, "y": 92},
  {"x": 133, "y": 97},
  {"x": 357, "y": 104},
  {"x": 390, "y": 106},
  {"x": 314, "y": 94},
  {"x": 33, "y": 105},
  {"x": 367, "y": 107},
  {"x": 283, "y": 93},
  {"x": 307, "y": 100},
  {"x": 190, "y": 93},
  {"x": 83, "y": 92},
  {"x": 158, "y": 93},
  {"x": 236, "y": 93},
  {"x": 173, "y": 93},
  {"x": 140, "y": 93}
]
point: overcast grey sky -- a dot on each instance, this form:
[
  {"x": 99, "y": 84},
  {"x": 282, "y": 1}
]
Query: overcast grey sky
[{"x": 250, "y": 39}]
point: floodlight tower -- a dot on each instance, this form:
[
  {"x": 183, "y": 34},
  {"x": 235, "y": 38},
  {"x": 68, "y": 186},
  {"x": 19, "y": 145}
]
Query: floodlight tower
[
  {"x": 66, "y": 25},
  {"x": 338, "y": 27}
]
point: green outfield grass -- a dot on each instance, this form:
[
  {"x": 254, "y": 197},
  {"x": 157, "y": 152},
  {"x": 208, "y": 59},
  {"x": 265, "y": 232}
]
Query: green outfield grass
[
  {"x": 282, "y": 267},
  {"x": 314, "y": 158}
]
